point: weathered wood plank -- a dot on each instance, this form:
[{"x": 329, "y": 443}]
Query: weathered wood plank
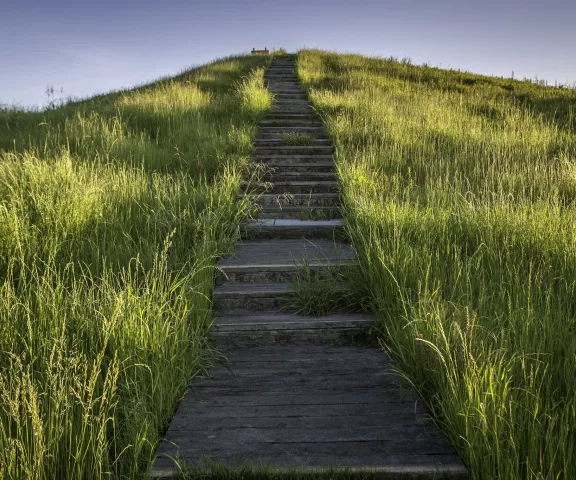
[
  {"x": 191, "y": 412},
  {"x": 395, "y": 436},
  {"x": 310, "y": 324},
  {"x": 287, "y": 252},
  {"x": 283, "y": 399},
  {"x": 343, "y": 448},
  {"x": 398, "y": 466},
  {"x": 349, "y": 382},
  {"x": 274, "y": 318},
  {"x": 238, "y": 373},
  {"x": 401, "y": 421},
  {"x": 314, "y": 353}
]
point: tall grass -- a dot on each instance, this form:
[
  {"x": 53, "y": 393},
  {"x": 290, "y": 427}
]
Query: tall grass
[
  {"x": 112, "y": 212},
  {"x": 459, "y": 195}
]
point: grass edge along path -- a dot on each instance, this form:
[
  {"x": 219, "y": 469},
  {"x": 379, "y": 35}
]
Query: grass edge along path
[
  {"x": 112, "y": 213},
  {"x": 459, "y": 194}
]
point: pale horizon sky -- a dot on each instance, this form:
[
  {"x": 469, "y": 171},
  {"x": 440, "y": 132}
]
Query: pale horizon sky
[{"x": 85, "y": 49}]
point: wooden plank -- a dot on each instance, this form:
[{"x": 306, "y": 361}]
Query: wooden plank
[
  {"x": 291, "y": 327},
  {"x": 287, "y": 252},
  {"x": 287, "y": 351},
  {"x": 336, "y": 358},
  {"x": 239, "y": 374},
  {"x": 311, "y": 336},
  {"x": 318, "y": 373},
  {"x": 271, "y": 382},
  {"x": 294, "y": 387},
  {"x": 337, "y": 366},
  {"x": 286, "y": 318},
  {"x": 238, "y": 445},
  {"x": 398, "y": 439},
  {"x": 397, "y": 464},
  {"x": 208, "y": 410},
  {"x": 404, "y": 422},
  {"x": 254, "y": 289},
  {"x": 283, "y": 399}
]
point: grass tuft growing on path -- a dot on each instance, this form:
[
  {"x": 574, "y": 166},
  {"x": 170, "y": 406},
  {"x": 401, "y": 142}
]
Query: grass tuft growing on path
[
  {"x": 112, "y": 213},
  {"x": 460, "y": 197},
  {"x": 296, "y": 139}
]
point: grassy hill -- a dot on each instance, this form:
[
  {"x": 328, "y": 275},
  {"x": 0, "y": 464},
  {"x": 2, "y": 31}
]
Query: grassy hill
[
  {"x": 460, "y": 194},
  {"x": 112, "y": 211}
]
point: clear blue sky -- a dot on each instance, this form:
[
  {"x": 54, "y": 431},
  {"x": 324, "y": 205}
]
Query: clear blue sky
[{"x": 93, "y": 47}]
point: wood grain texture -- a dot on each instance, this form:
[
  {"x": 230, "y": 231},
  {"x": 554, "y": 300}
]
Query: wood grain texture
[{"x": 306, "y": 405}]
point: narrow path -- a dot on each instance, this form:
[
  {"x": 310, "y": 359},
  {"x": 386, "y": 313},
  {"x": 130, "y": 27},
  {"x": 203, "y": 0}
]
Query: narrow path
[{"x": 301, "y": 391}]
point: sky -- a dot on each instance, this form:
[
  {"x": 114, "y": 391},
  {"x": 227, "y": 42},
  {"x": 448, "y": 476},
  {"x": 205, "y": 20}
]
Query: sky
[{"x": 83, "y": 48}]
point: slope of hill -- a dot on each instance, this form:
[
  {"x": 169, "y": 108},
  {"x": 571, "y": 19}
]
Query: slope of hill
[
  {"x": 112, "y": 211},
  {"x": 460, "y": 195}
]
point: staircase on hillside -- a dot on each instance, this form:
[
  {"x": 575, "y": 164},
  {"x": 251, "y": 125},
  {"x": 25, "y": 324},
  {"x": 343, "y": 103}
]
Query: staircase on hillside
[{"x": 301, "y": 392}]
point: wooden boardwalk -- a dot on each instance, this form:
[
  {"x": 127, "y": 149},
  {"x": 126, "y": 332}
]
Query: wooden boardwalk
[{"x": 298, "y": 392}]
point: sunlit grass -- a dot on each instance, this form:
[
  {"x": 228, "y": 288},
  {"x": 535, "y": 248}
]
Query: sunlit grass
[
  {"x": 112, "y": 213},
  {"x": 459, "y": 195}
]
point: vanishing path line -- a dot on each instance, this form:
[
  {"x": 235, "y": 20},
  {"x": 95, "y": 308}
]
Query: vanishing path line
[{"x": 301, "y": 392}]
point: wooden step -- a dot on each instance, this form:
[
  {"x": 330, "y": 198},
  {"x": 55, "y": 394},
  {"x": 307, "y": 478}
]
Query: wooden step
[
  {"x": 291, "y": 122},
  {"x": 290, "y": 228},
  {"x": 286, "y": 90},
  {"x": 294, "y": 187},
  {"x": 288, "y": 175},
  {"x": 265, "y": 328},
  {"x": 296, "y": 166},
  {"x": 312, "y": 408},
  {"x": 302, "y": 199},
  {"x": 256, "y": 297},
  {"x": 299, "y": 213},
  {"x": 288, "y": 85},
  {"x": 301, "y": 103},
  {"x": 294, "y": 150},
  {"x": 290, "y": 82},
  {"x": 291, "y": 109},
  {"x": 292, "y": 116},
  {"x": 279, "y": 160},
  {"x": 286, "y": 75},
  {"x": 277, "y": 139},
  {"x": 263, "y": 129},
  {"x": 320, "y": 137},
  {"x": 251, "y": 296},
  {"x": 277, "y": 261},
  {"x": 291, "y": 101},
  {"x": 284, "y": 87},
  {"x": 290, "y": 96}
]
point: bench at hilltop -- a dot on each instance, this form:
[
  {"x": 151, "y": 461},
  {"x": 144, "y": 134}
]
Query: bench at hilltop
[{"x": 260, "y": 52}]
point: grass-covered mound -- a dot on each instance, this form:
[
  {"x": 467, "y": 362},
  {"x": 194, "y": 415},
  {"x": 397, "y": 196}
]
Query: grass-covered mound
[
  {"x": 459, "y": 194},
  {"x": 112, "y": 211}
]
